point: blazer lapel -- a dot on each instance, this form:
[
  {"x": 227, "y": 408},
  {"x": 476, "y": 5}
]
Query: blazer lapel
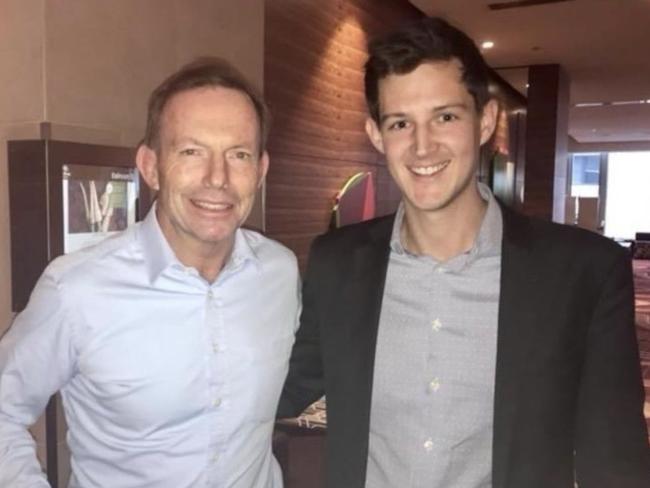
[
  {"x": 516, "y": 316},
  {"x": 365, "y": 290},
  {"x": 363, "y": 293}
]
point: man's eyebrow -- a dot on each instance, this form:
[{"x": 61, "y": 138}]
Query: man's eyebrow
[
  {"x": 185, "y": 140},
  {"x": 384, "y": 117},
  {"x": 440, "y": 108}
]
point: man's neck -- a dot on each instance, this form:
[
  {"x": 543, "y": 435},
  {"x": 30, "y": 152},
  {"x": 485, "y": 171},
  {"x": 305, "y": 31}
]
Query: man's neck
[
  {"x": 444, "y": 233},
  {"x": 208, "y": 258},
  {"x": 208, "y": 262}
]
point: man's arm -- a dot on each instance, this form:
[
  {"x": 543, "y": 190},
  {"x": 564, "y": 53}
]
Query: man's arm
[
  {"x": 305, "y": 382},
  {"x": 611, "y": 439},
  {"x": 36, "y": 359}
]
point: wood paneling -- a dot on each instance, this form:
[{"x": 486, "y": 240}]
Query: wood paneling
[
  {"x": 546, "y": 142},
  {"x": 313, "y": 78}
]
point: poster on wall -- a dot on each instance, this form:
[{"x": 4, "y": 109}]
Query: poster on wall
[{"x": 97, "y": 201}]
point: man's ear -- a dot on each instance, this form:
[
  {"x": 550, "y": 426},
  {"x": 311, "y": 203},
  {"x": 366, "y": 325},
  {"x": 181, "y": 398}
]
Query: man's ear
[
  {"x": 146, "y": 160},
  {"x": 263, "y": 168},
  {"x": 489, "y": 119},
  {"x": 374, "y": 134}
]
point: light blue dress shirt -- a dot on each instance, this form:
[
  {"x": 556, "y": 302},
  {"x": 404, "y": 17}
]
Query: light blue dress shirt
[{"x": 166, "y": 380}]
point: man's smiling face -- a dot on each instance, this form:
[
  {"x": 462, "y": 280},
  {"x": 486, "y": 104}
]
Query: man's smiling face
[
  {"x": 207, "y": 167},
  {"x": 430, "y": 132}
]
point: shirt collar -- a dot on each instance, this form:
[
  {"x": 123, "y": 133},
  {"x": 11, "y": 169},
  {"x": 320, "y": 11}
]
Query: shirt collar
[
  {"x": 243, "y": 251},
  {"x": 488, "y": 240},
  {"x": 490, "y": 234},
  {"x": 158, "y": 254}
]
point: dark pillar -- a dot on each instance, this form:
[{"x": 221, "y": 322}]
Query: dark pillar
[{"x": 545, "y": 187}]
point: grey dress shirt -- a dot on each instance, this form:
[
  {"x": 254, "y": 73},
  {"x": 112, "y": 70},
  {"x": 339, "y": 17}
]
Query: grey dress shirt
[{"x": 433, "y": 388}]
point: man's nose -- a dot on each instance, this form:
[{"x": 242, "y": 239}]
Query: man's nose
[
  {"x": 217, "y": 172},
  {"x": 424, "y": 140}
]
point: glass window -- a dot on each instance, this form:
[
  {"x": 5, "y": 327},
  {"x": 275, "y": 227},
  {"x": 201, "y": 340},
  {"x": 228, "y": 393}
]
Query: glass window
[
  {"x": 628, "y": 198},
  {"x": 585, "y": 175}
]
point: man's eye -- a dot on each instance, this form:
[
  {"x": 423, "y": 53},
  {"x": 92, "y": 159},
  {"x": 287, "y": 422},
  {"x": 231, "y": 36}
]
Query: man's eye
[
  {"x": 398, "y": 125},
  {"x": 190, "y": 151},
  {"x": 243, "y": 155},
  {"x": 447, "y": 117}
]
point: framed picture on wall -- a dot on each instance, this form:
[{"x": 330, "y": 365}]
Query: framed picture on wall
[{"x": 97, "y": 201}]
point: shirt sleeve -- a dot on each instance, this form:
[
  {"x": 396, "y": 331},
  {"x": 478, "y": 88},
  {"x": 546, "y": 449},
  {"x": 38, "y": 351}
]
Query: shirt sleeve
[
  {"x": 36, "y": 360},
  {"x": 305, "y": 380}
]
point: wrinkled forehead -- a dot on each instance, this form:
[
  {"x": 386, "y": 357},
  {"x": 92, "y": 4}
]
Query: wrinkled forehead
[{"x": 211, "y": 111}]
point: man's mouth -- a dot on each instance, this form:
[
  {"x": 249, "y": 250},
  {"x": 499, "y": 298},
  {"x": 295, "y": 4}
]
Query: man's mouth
[
  {"x": 430, "y": 170},
  {"x": 212, "y": 206}
]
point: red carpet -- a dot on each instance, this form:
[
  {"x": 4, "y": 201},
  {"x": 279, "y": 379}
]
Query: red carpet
[{"x": 642, "y": 307}]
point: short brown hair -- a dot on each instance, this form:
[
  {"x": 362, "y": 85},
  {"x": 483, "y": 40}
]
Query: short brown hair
[
  {"x": 429, "y": 39},
  {"x": 203, "y": 72}
]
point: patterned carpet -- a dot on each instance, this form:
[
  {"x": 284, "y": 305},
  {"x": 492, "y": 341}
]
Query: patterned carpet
[{"x": 642, "y": 307}]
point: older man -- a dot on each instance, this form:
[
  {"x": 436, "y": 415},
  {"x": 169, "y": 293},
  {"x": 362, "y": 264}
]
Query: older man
[{"x": 170, "y": 342}]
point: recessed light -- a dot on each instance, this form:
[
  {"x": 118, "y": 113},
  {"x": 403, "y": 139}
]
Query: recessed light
[
  {"x": 589, "y": 104},
  {"x": 487, "y": 45},
  {"x": 628, "y": 102}
]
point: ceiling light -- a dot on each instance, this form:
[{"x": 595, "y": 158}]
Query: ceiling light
[
  {"x": 589, "y": 104},
  {"x": 628, "y": 102},
  {"x": 487, "y": 45}
]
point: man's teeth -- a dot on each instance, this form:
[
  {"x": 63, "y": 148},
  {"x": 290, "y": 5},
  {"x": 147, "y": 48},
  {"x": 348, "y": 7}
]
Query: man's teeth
[
  {"x": 429, "y": 170},
  {"x": 212, "y": 206}
]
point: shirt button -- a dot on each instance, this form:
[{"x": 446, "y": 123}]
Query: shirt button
[
  {"x": 216, "y": 402},
  {"x": 434, "y": 385},
  {"x": 436, "y": 325},
  {"x": 210, "y": 294},
  {"x": 428, "y": 445},
  {"x": 441, "y": 270},
  {"x": 215, "y": 458},
  {"x": 215, "y": 347}
]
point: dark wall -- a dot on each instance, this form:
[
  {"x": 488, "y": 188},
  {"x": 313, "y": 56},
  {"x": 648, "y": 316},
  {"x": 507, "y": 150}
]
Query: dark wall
[{"x": 313, "y": 82}]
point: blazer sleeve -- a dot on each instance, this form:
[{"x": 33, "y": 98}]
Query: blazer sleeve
[
  {"x": 305, "y": 383},
  {"x": 611, "y": 441}
]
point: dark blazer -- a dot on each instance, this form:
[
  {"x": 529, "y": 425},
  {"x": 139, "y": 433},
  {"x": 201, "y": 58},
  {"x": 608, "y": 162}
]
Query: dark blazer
[{"x": 568, "y": 394}]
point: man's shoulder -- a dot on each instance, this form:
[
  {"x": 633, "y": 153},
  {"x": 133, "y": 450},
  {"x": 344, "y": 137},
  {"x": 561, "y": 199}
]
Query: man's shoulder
[
  {"x": 88, "y": 261},
  {"x": 369, "y": 231},
  {"x": 552, "y": 237},
  {"x": 266, "y": 248}
]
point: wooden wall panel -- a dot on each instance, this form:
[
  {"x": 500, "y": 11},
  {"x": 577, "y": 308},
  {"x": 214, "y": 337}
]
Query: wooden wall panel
[
  {"x": 313, "y": 78},
  {"x": 546, "y": 142}
]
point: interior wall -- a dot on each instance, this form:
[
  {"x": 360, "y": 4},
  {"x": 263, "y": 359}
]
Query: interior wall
[
  {"x": 313, "y": 76},
  {"x": 21, "y": 108},
  {"x": 87, "y": 67}
]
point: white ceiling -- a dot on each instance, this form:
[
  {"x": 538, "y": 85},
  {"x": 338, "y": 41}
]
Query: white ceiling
[{"x": 604, "y": 45}]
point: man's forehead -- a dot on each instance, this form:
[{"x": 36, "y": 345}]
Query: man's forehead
[
  {"x": 439, "y": 80},
  {"x": 451, "y": 68},
  {"x": 213, "y": 106}
]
